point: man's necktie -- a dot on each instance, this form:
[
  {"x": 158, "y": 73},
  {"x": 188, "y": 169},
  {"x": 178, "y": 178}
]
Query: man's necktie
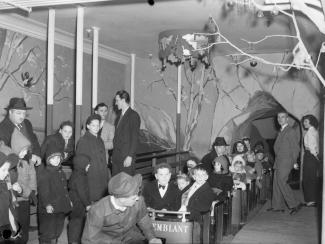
[
  {"x": 161, "y": 187},
  {"x": 19, "y": 126}
]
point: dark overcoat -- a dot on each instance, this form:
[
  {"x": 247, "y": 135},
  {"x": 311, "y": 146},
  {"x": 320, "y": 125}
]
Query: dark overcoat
[
  {"x": 4, "y": 203},
  {"x": 200, "y": 202},
  {"x": 78, "y": 187},
  {"x": 125, "y": 141},
  {"x": 208, "y": 159},
  {"x": 59, "y": 143},
  {"x": 53, "y": 190},
  {"x": 7, "y": 128},
  {"x": 97, "y": 175}
]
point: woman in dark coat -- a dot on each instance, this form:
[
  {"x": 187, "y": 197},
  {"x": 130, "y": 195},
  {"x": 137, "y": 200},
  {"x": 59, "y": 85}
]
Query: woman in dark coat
[
  {"x": 79, "y": 195},
  {"x": 62, "y": 140},
  {"x": 91, "y": 145}
]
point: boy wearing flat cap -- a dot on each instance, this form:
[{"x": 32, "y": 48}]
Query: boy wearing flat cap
[{"x": 116, "y": 218}]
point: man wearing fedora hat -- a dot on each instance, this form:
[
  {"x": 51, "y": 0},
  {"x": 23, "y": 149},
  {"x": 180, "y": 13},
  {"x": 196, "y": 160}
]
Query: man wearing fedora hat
[
  {"x": 218, "y": 149},
  {"x": 15, "y": 123},
  {"x": 16, "y": 118},
  {"x": 118, "y": 217}
]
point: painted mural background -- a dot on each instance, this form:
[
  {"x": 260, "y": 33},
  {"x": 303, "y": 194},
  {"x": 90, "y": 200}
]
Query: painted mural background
[
  {"x": 23, "y": 74},
  {"x": 234, "y": 94}
]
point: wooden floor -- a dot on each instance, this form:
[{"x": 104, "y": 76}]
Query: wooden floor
[{"x": 277, "y": 228}]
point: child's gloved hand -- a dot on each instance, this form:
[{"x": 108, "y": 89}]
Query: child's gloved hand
[
  {"x": 182, "y": 209},
  {"x": 49, "y": 209},
  {"x": 16, "y": 187}
]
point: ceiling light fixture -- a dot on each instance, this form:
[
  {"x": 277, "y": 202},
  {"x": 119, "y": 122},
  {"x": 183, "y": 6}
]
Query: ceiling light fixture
[{"x": 151, "y": 2}]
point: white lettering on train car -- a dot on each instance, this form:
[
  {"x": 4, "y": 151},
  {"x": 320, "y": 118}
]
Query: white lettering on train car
[{"x": 170, "y": 227}]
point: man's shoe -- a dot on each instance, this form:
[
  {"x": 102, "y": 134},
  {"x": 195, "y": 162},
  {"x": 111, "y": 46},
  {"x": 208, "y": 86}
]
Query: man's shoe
[
  {"x": 275, "y": 210},
  {"x": 296, "y": 209}
]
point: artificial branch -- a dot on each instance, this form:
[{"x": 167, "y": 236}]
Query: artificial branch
[{"x": 301, "y": 57}]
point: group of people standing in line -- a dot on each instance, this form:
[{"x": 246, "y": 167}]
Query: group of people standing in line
[{"x": 32, "y": 174}]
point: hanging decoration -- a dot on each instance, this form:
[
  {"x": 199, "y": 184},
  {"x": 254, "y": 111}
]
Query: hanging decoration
[{"x": 179, "y": 46}]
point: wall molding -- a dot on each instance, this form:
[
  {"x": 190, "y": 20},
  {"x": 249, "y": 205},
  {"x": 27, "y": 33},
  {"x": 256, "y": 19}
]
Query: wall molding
[{"x": 38, "y": 30}]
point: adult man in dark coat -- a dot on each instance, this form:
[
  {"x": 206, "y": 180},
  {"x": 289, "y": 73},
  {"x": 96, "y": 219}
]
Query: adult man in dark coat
[
  {"x": 126, "y": 136},
  {"x": 286, "y": 148},
  {"x": 121, "y": 217},
  {"x": 16, "y": 118},
  {"x": 218, "y": 149}
]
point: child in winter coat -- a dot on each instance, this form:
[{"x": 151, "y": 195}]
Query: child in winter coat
[
  {"x": 79, "y": 195},
  {"x": 183, "y": 182},
  {"x": 63, "y": 140},
  {"x": 238, "y": 171},
  {"x": 20, "y": 145},
  {"x": 199, "y": 197},
  {"x": 220, "y": 180},
  {"x": 9, "y": 227},
  {"x": 54, "y": 202}
]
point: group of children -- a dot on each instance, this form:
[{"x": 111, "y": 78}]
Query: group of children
[
  {"x": 196, "y": 188},
  {"x": 22, "y": 183},
  {"x": 249, "y": 164},
  {"x": 194, "y": 191}
]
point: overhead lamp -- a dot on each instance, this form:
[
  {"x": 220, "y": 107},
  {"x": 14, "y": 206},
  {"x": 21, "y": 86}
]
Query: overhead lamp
[{"x": 151, "y": 2}]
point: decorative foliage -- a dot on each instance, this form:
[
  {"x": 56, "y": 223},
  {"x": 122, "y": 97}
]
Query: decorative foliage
[
  {"x": 193, "y": 96},
  {"x": 301, "y": 57},
  {"x": 178, "y": 46}
]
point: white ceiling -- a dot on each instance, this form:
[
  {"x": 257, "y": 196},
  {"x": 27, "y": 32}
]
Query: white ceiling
[{"x": 134, "y": 28}]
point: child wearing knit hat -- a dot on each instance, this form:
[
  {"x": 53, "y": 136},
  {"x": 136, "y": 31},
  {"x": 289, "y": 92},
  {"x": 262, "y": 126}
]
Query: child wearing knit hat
[
  {"x": 21, "y": 146},
  {"x": 238, "y": 171},
  {"x": 54, "y": 202}
]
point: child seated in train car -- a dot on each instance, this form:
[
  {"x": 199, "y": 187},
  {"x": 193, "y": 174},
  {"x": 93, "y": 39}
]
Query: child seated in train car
[
  {"x": 220, "y": 180},
  {"x": 238, "y": 172},
  {"x": 267, "y": 156},
  {"x": 191, "y": 163},
  {"x": 267, "y": 166},
  {"x": 198, "y": 198},
  {"x": 183, "y": 182},
  {"x": 254, "y": 169},
  {"x": 264, "y": 161},
  {"x": 162, "y": 194},
  {"x": 247, "y": 141},
  {"x": 252, "y": 159},
  {"x": 239, "y": 148}
]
